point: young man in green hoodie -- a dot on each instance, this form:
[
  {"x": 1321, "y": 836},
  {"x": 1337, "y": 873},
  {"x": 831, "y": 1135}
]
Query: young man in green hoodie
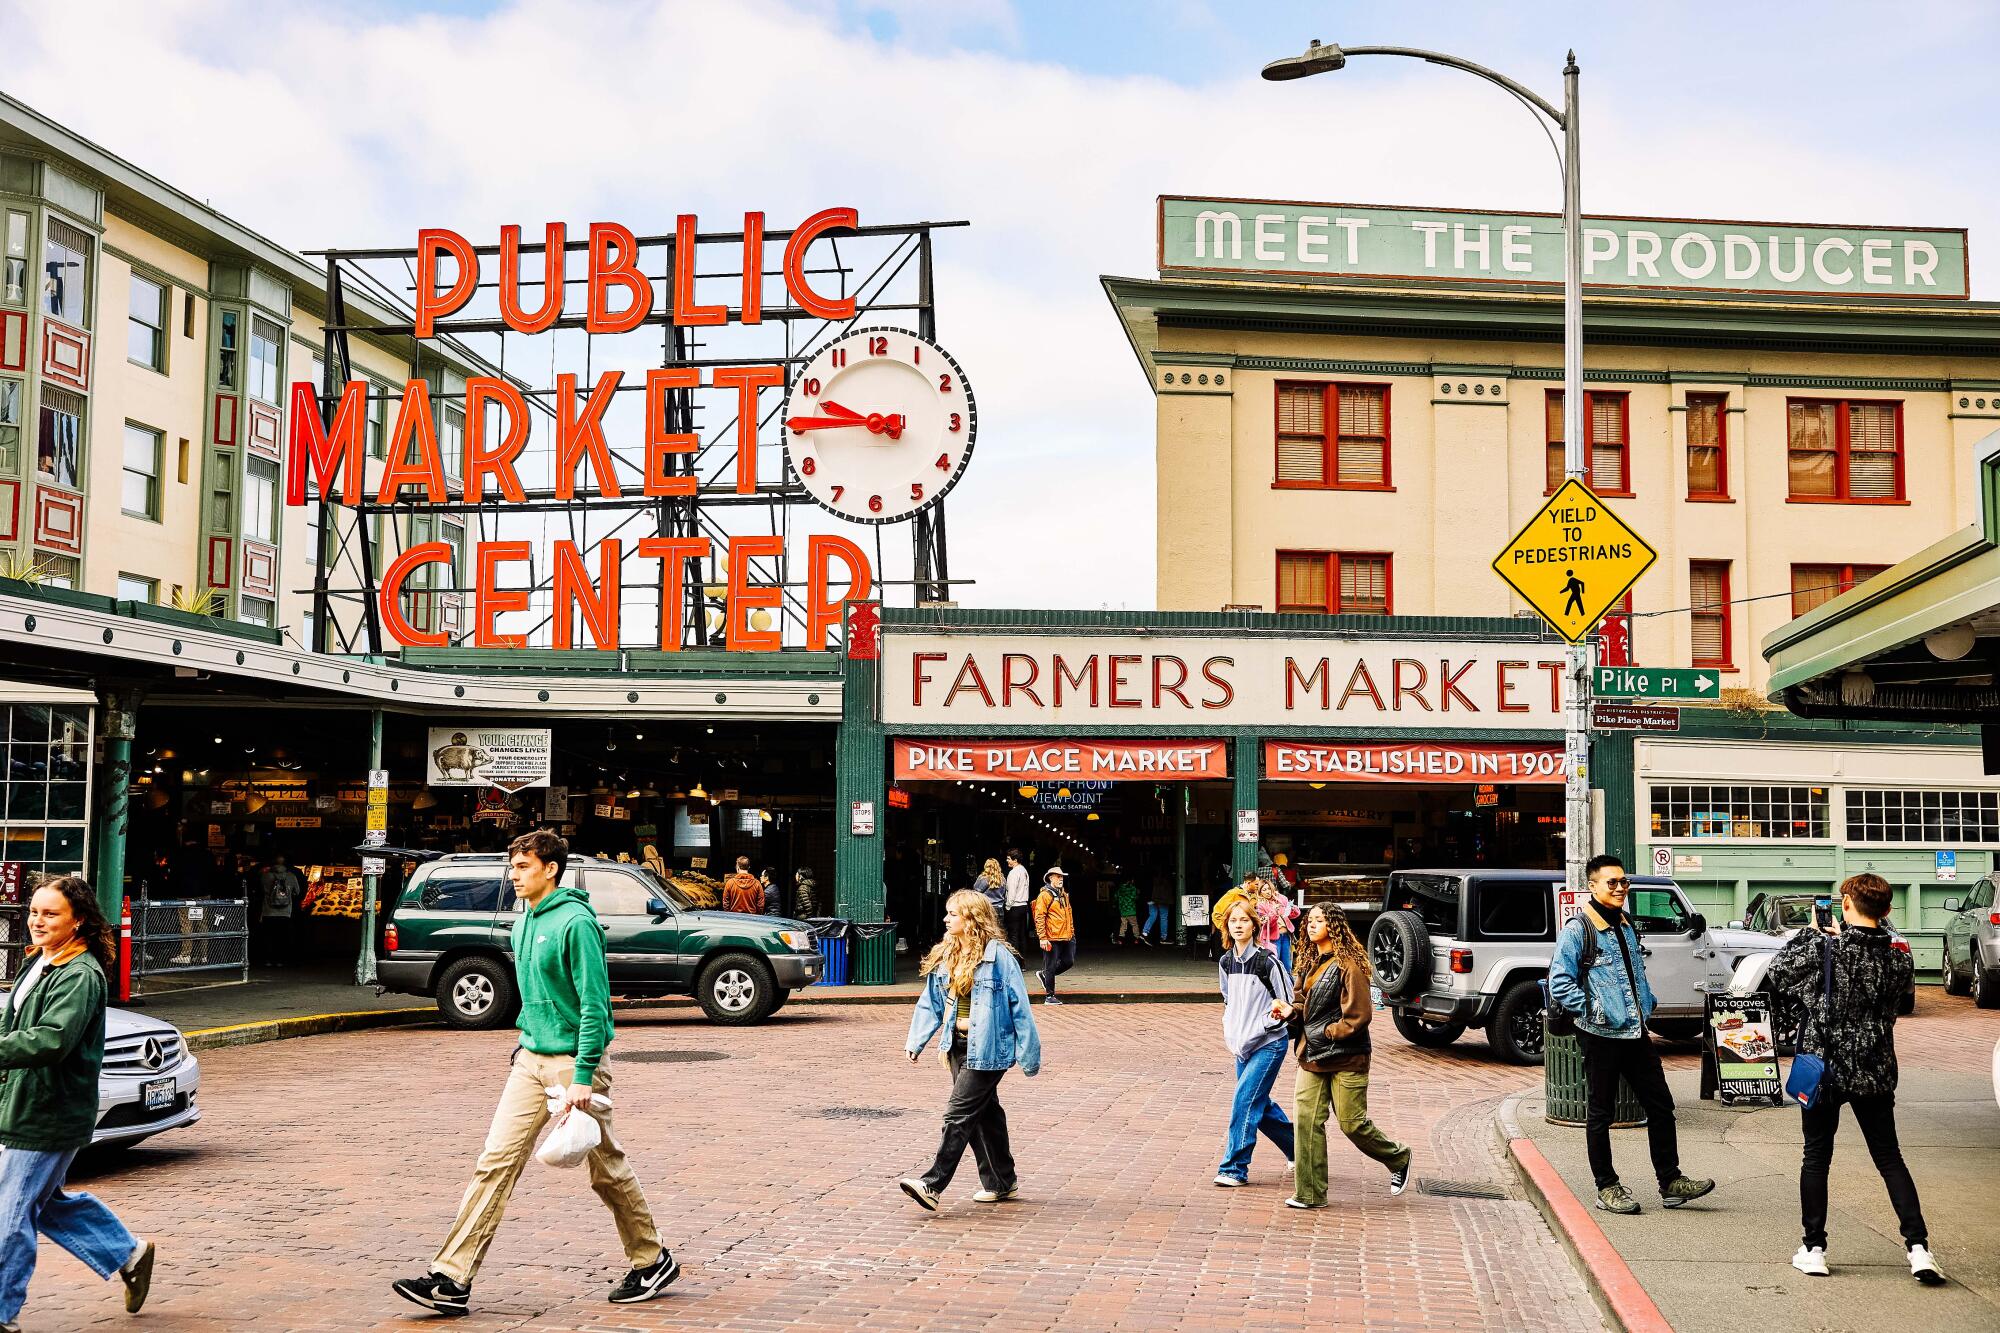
[{"x": 565, "y": 1026}]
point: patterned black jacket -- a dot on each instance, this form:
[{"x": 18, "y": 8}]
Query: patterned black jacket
[{"x": 1857, "y": 1038}]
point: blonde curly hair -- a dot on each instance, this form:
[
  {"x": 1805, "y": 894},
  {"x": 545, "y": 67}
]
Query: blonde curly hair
[{"x": 960, "y": 955}]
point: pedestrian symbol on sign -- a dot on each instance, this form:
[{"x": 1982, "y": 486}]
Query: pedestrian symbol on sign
[{"x": 1574, "y": 589}]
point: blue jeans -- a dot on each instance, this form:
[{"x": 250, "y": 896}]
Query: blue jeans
[
  {"x": 1283, "y": 944},
  {"x": 1252, "y": 1110},
  {"x": 1155, "y": 912},
  {"x": 31, "y": 1200}
]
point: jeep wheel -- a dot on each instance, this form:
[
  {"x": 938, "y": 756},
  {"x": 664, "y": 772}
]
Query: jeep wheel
[
  {"x": 1516, "y": 1029},
  {"x": 1421, "y": 1031},
  {"x": 1908, "y": 1004},
  {"x": 477, "y": 993},
  {"x": 1399, "y": 949},
  {"x": 737, "y": 988},
  {"x": 1954, "y": 984},
  {"x": 1985, "y": 985}
]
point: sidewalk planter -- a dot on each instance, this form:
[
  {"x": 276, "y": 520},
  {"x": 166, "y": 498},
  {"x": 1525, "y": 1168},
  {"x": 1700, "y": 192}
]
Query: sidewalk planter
[
  {"x": 830, "y": 934},
  {"x": 1565, "y": 1092},
  {"x": 874, "y": 953}
]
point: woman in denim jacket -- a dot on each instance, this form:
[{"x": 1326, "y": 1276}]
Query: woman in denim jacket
[{"x": 975, "y": 995}]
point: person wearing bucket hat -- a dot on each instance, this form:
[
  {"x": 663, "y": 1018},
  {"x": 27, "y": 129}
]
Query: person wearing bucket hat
[{"x": 1055, "y": 926}]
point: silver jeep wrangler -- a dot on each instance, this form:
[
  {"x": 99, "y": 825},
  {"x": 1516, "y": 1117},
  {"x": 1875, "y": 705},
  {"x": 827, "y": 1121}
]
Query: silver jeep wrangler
[{"x": 1457, "y": 948}]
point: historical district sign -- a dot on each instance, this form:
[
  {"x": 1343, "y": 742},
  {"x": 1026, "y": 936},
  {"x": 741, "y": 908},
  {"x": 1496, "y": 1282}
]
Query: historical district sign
[
  {"x": 1661, "y": 254},
  {"x": 1574, "y": 560}
]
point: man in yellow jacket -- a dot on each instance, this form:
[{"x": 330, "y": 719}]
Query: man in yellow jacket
[{"x": 1055, "y": 925}]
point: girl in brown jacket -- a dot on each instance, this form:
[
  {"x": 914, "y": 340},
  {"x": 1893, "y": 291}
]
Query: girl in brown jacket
[{"x": 1329, "y": 1018}]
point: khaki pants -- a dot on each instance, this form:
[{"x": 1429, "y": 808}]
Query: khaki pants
[
  {"x": 1347, "y": 1096},
  {"x": 519, "y": 1118}
]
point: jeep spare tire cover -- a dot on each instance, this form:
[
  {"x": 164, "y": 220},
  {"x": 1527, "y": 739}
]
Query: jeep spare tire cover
[{"x": 1399, "y": 948}]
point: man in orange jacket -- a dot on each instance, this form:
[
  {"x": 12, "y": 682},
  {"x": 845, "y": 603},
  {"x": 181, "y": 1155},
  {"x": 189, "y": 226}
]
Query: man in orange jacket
[
  {"x": 1055, "y": 924},
  {"x": 743, "y": 891}
]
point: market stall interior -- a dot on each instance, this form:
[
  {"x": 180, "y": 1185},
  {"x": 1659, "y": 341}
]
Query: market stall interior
[{"x": 220, "y": 795}]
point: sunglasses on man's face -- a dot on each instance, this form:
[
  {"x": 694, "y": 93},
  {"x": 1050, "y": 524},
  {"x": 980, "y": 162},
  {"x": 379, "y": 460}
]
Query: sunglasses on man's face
[{"x": 1619, "y": 882}]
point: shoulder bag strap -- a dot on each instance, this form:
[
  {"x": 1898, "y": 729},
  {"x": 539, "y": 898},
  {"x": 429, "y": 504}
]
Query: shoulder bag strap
[{"x": 1826, "y": 983}]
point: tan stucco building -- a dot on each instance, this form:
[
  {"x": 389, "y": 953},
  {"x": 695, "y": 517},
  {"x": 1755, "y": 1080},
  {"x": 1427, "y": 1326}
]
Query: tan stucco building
[{"x": 1368, "y": 442}]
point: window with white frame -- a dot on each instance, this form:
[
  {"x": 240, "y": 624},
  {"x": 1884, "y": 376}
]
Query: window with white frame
[
  {"x": 260, "y": 500},
  {"x": 1715, "y": 811},
  {"x": 45, "y": 788},
  {"x": 258, "y": 611},
  {"x": 133, "y": 588},
  {"x": 266, "y": 347},
  {"x": 1890, "y": 814},
  {"x": 66, "y": 272},
  {"x": 146, "y": 324},
  {"x": 140, "y": 496}
]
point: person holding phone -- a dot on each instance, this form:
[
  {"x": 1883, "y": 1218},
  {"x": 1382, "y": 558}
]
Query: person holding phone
[
  {"x": 1850, "y": 1025},
  {"x": 1611, "y": 1006}
]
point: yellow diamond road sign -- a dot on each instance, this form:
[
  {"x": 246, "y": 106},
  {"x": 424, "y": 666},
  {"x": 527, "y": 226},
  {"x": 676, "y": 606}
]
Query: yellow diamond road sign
[{"x": 1574, "y": 560}]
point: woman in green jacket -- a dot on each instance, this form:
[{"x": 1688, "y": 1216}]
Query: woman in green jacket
[{"x": 51, "y": 1047}]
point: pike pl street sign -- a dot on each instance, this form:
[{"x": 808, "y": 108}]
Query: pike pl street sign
[
  {"x": 1574, "y": 560},
  {"x": 1656, "y": 683}
]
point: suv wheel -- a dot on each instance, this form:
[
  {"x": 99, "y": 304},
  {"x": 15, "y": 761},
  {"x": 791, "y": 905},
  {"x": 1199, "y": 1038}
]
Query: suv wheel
[
  {"x": 1985, "y": 985},
  {"x": 1953, "y": 983},
  {"x": 1432, "y": 1035},
  {"x": 477, "y": 993},
  {"x": 1516, "y": 1029},
  {"x": 1399, "y": 949},
  {"x": 737, "y": 988}
]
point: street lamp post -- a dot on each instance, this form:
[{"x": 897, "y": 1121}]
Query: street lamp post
[{"x": 1320, "y": 59}]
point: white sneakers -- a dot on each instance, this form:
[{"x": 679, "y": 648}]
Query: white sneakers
[
  {"x": 1230, "y": 1182},
  {"x": 1924, "y": 1268}
]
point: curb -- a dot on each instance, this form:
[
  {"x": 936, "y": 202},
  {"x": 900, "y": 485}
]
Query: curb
[
  {"x": 1611, "y": 1280},
  {"x": 259, "y": 1031}
]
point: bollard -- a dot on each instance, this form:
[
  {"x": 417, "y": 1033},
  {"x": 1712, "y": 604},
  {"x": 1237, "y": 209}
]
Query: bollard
[{"x": 125, "y": 951}]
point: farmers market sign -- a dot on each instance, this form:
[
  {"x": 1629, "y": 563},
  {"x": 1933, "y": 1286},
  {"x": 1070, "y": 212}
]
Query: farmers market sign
[{"x": 1661, "y": 254}]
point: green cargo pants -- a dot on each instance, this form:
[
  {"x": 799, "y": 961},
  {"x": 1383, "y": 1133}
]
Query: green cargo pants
[{"x": 1347, "y": 1096}]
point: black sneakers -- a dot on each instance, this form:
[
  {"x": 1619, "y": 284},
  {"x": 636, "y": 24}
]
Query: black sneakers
[
  {"x": 434, "y": 1291},
  {"x": 643, "y": 1284}
]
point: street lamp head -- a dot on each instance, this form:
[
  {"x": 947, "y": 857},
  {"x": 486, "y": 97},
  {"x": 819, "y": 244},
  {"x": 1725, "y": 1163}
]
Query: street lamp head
[{"x": 1317, "y": 60}]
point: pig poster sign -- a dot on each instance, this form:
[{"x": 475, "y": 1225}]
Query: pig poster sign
[{"x": 510, "y": 758}]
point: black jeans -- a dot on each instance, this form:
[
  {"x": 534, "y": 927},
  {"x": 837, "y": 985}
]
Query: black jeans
[
  {"x": 1057, "y": 959},
  {"x": 1021, "y": 929},
  {"x": 973, "y": 1117},
  {"x": 1877, "y": 1117},
  {"x": 1637, "y": 1060}
]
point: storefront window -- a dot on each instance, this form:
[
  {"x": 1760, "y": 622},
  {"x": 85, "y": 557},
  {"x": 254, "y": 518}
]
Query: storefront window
[
  {"x": 66, "y": 272},
  {"x": 1935, "y": 818},
  {"x": 44, "y": 793},
  {"x": 1739, "y": 812},
  {"x": 59, "y": 445},
  {"x": 14, "y": 278}
]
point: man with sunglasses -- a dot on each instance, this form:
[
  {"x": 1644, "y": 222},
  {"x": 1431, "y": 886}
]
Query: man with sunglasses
[{"x": 1611, "y": 1005}]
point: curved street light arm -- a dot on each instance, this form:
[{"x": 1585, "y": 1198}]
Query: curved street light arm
[{"x": 1526, "y": 94}]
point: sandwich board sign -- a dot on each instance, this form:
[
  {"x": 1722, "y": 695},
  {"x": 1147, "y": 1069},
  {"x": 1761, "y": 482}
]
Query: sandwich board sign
[{"x": 1574, "y": 560}]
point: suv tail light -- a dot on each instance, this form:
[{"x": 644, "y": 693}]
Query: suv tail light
[
  {"x": 1461, "y": 960},
  {"x": 1903, "y": 945},
  {"x": 389, "y": 938},
  {"x": 1993, "y": 918}
]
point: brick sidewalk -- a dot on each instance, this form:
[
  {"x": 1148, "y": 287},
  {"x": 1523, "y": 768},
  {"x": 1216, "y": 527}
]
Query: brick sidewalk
[{"x": 326, "y": 1167}]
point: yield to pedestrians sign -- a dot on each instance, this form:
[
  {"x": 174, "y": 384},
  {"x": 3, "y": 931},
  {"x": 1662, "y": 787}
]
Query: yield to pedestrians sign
[{"x": 1574, "y": 560}]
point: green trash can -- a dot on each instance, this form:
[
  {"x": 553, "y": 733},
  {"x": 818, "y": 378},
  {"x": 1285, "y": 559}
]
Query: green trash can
[
  {"x": 1565, "y": 1097},
  {"x": 874, "y": 947}
]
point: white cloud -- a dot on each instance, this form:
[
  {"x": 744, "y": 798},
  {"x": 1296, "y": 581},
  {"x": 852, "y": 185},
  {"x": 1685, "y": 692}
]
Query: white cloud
[{"x": 321, "y": 128}]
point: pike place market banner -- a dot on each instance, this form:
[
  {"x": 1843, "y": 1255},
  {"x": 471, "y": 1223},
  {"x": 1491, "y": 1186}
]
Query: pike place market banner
[
  {"x": 1433, "y": 762},
  {"x": 1084, "y": 761},
  {"x": 1662, "y": 254},
  {"x": 931, "y": 678}
]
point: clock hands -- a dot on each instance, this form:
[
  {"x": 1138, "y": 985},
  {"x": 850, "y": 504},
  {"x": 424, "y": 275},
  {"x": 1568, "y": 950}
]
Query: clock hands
[{"x": 837, "y": 416}]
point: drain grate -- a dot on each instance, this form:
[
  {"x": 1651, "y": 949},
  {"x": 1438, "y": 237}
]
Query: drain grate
[
  {"x": 668, "y": 1057},
  {"x": 1460, "y": 1189},
  {"x": 860, "y": 1113}
]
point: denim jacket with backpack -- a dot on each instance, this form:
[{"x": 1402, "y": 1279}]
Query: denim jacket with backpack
[{"x": 1602, "y": 1002}]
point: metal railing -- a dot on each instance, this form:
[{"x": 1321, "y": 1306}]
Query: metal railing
[
  {"x": 13, "y": 940},
  {"x": 196, "y": 940}
]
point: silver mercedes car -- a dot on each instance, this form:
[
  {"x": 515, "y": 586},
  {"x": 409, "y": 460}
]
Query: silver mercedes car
[{"x": 150, "y": 1080}]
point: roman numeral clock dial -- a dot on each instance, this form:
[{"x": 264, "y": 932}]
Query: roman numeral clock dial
[{"x": 879, "y": 425}]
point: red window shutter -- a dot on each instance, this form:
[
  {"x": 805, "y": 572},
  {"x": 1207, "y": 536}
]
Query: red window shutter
[{"x": 1302, "y": 433}]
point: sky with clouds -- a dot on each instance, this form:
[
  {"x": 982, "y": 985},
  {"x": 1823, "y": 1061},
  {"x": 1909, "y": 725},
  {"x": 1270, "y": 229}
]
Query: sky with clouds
[{"x": 1050, "y": 126}]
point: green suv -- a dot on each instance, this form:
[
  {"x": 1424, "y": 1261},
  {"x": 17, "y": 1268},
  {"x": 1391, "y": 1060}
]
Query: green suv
[{"x": 447, "y": 935}]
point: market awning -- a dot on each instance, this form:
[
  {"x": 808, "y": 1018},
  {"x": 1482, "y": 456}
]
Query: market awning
[{"x": 1918, "y": 642}]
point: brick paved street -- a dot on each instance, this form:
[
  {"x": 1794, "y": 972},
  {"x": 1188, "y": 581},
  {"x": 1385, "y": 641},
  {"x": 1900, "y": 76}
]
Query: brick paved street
[{"x": 325, "y": 1167}]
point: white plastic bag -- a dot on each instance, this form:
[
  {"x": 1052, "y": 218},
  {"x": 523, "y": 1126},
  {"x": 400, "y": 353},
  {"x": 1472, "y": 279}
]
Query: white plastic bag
[{"x": 575, "y": 1133}]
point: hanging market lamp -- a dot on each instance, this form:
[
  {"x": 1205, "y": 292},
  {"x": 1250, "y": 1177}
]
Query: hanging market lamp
[
  {"x": 424, "y": 800},
  {"x": 1028, "y": 792},
  {"x": 764, "y": 815},
  {"x": 1316, "y": 786},
  {"x": 1062, "y": 793},
  {"x": 1091, "y": 817},
  {"x": 697, "y": 792}
]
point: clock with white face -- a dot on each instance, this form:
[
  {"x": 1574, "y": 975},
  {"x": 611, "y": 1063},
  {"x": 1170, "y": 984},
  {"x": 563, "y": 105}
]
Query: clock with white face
[{"x": 879, "y": 424}]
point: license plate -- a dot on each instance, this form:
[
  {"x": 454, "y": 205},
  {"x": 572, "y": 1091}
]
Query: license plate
[{"x": 159, "y": 1094}]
